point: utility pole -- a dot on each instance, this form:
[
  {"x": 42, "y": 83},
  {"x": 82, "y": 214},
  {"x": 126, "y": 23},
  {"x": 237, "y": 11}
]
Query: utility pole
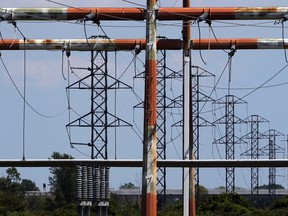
[
  {"x": 188, "y": 173},
  {"x": 149, "y": 199},
  {"x": 183, "y": 14}
]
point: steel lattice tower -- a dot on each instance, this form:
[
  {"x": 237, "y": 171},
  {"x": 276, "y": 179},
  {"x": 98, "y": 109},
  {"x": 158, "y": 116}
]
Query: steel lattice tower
[
  {"x": 272, "y": 149},
  {"x": 163, "y": 102},
  {"x": 197, "y": 98},
  {"x": 161, "y": 126},
  {"x": 96, "y": 122},
  {"x": 254, "y": 136},
  {"x": 230, "y": 139}
]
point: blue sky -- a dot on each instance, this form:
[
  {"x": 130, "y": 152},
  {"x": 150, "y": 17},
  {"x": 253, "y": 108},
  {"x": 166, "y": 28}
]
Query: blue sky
[{"x": 46, "y": 88}]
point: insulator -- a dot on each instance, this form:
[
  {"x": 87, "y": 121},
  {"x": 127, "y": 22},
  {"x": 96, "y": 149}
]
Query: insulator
[
  {"x": 97, "y": 184},
  {"x": 78, "y": 189},
  {"x": 78, "y": 171},
  {"x": 84, "y": 183},
  {"x": 90, "y": 183},
  {"x": 107, "y": 184},
  {"x": 78, "y": 182},
  {"x": 102, "y": 184}
]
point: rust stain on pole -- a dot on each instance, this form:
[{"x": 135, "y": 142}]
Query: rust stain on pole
[
  {"x": 129, "y": 44},
  {"x": 108, "y": 13},
  {"x": 214, "y": 13},
  {"x": 149, "y": 199},
  {"x": 87, "y": 45},
  {"x": 180, "y": 13},
  {"x": 244, "y": 43}
]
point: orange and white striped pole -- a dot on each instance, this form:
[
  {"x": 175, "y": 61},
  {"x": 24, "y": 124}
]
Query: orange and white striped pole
[
  {"x": 87, "y": 45},
  {"x": 149, "y": 193},
  {"x": 130, "y": 44},
  {"x": 214, "y": 13}
]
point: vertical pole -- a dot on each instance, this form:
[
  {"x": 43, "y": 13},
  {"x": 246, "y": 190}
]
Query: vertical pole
[
  {"x": 186, "y": 136},
  {"x": 149, "y": 144},
  {"x": 92, "y": 104},
  {"x": 188, "y": 173}
]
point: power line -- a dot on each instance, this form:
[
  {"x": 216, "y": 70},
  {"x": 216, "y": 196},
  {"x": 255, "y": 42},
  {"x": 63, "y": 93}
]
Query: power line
[
  {"x": 247, "y": 88},
  {"x": 133, "y": 3},
  {"x": 226, "y": 65},
  {"x": 259, "y": 87},
  {"x": 22, "y": 96}
]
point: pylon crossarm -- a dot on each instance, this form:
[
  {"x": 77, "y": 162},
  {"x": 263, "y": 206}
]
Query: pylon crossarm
[
  {"x": 130, "y": 44},
  {"x": 129, "y": 14}
]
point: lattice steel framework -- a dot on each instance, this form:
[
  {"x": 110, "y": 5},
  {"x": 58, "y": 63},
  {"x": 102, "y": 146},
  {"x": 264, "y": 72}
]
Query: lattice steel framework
[
  {"x": 98, "y": 119},
  {"x": 161, "y": 126},
  {"x": 254, "y": 152},
  {"x": 162, "y": 102},
  {"x": 272, "y": 149},
  {"x": 230, "y": 139},
  {"x": 198, "y": 121}
]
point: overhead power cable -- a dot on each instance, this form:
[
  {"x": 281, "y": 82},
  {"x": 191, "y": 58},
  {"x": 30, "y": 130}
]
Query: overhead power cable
[
  {"x": 134, "y": 3},
  {"x": 22, "y": 34},
  {"x": 217, "y": 82},
  {"x": 249, "y": 93},
  {"x": 65, "y": 5},
  {"x": 21, "y": 95},
  {"x": 283, "y": 38},
  {"x": 199, "y": 33},
  {"x": 246, "y": 88},
  {"x": 263, "y": 84}
]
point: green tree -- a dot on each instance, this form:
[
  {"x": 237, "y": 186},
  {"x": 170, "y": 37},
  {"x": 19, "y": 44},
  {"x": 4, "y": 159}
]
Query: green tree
[
  {"x": 203, "y": 190},
  {"x": 13, "y": 176},
  {"x": 119, "y": 206},
  {"x": 127, "y": 186},
  {"x": 12, "y": 197},
  {"x": 225, "y": 204},
  {"x": 62, "y": 182},
  {"x": 173, "y": 209},
  {"x": 274, "y": 186},
  {"x": 280, "y": 203},
  {"x": 28, "y": 185}
]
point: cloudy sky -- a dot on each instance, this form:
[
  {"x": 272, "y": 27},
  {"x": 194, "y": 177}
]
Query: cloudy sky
[{"x": 46, "y": 88}]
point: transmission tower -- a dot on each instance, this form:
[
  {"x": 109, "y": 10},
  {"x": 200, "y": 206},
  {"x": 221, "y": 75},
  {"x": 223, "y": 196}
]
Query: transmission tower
[
  {"x": 272, "y": 149},
  {"x": 254, "y": 152},
  {"x": 161, "y": 126},
  {"x": 198, "y": 97},
  {"x": 96, "y": 122},
  {"x": 163, "y": 102},
  {"x": 230, "y": 139}
]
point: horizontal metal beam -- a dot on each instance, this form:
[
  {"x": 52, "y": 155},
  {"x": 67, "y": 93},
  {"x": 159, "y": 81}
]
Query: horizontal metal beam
[
  {"x": 139, "y": 163},
  {"x": 140, "y": 44},
  {"x": 240, "y": 43},
  {"x": 87, "y": 45},
  {"x": 98, "y": 14}
]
